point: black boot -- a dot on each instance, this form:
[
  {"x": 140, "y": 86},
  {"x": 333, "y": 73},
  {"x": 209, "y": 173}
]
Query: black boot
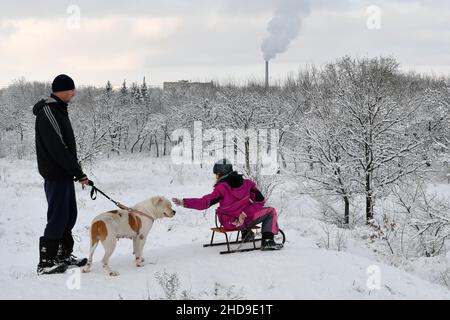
[
  {"x": 47, "y": 258},
  {"x": 247, "y": 235},
  {"x": 267, "y": 242},
  {"x": 65, "y": 255}
]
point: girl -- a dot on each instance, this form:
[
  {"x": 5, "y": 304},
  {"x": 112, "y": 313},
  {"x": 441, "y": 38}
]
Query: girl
[{"x": 241, "y": 205}]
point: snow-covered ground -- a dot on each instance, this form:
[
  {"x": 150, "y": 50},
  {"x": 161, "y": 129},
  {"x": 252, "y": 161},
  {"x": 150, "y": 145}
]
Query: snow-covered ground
[{"x": 177, "y": 266}]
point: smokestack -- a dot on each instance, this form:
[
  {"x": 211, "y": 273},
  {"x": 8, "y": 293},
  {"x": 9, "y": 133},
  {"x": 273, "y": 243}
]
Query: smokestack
[{"x": 267, "y": 73}]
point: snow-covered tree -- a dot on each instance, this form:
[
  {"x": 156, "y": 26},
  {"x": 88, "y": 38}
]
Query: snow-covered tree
[{"x": 377, "y": 112}]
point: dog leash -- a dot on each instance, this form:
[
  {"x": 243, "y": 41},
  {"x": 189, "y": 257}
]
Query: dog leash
[{"x": 94, "y": 191}]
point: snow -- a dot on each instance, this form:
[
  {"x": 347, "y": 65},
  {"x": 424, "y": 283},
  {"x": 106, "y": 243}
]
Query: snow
[{"x": 302, "y": 270}]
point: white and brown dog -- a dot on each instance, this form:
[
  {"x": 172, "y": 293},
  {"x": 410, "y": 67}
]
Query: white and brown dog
[{"x": 110, "y": 226}]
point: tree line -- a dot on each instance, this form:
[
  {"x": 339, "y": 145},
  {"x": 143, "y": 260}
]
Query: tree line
[{"x": 354, "y": 130}]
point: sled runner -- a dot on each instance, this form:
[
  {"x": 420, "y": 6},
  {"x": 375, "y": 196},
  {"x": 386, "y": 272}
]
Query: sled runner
[{"x": 240, "y": 241}]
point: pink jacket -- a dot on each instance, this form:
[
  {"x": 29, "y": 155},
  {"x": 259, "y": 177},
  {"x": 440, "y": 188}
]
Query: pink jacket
[{"x": 232, "y": 202}]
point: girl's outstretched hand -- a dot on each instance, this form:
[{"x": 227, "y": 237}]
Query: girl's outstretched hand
[{"x": 178, "y": 202}]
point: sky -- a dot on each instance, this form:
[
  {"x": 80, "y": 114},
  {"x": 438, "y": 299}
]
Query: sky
[{"x": 218, "y": 40}]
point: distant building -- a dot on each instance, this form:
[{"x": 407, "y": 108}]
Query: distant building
[{"x": 185, "y": 87}]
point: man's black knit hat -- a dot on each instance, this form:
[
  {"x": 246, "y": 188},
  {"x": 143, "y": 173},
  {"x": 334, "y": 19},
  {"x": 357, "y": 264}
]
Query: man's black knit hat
[{"x": 62, "y": 83}]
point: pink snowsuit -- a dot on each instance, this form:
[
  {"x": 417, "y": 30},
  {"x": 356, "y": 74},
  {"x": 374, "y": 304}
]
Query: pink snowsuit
[{"x": 234, "y": 201}]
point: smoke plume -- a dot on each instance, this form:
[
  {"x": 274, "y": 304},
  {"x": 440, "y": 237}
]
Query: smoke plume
[{"x": 284, "y": 26}]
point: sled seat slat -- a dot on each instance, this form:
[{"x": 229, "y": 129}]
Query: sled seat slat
[{"x": 223, "y": 230}]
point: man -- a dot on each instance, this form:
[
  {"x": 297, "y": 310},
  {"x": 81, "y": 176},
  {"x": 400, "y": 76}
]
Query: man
[{"x": 58, "y": 165}]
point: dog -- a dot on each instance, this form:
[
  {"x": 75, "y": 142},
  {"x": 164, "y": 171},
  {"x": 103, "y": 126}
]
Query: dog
[{"x": 110, "y": 226}]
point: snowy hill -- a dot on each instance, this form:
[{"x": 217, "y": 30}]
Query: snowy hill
[{"x": 177, "y": 266}]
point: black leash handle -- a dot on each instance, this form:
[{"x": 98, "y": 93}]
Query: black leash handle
[{"x": 94, "y": 191}]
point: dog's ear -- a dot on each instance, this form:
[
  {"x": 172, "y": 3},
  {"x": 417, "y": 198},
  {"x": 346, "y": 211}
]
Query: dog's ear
[{"x": 157, "y": 200}]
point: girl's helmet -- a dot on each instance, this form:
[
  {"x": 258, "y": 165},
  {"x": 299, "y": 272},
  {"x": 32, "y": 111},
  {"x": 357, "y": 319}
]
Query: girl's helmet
[{"x": 222, "y": 167}]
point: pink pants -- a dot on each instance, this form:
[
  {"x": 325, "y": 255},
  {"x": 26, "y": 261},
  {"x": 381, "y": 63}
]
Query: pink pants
[{"x": 268, "y": 217}]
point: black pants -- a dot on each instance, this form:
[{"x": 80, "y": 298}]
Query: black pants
[{"x": 62, "y": 211}]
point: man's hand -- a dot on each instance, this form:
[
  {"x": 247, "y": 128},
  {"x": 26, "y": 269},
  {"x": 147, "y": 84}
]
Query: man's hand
[
  {"x": 84, "y": 181},
  {"x": 178, "y": 202}
]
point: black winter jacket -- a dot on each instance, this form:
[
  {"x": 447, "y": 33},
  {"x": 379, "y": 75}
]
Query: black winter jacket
[{"x": 55, "y": 141}]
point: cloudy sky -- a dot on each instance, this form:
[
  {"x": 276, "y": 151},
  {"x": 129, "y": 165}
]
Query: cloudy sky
[{"x": 169, "y": 40}]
